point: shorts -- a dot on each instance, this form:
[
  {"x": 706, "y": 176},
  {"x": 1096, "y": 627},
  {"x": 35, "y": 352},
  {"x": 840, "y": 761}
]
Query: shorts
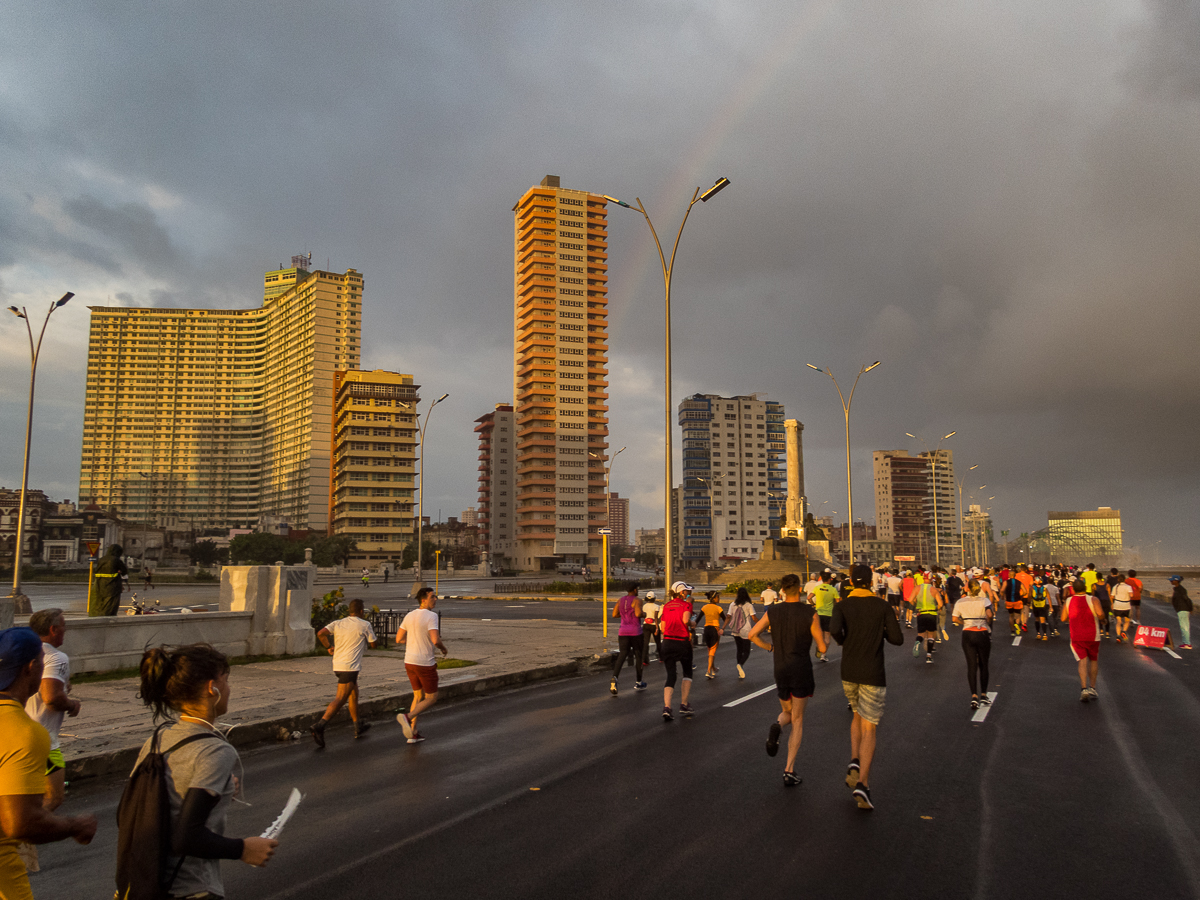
[
  {"x": 894, "y": 599},
  {"x": 1121, "y": 613},
  {"x": 865, "y": 699},
  {"x": 347, "y": 677},
  {"x": 422, "y": 678},
  {"x": 824, "y": 622},
  {"x": 1137, "y": 603},
  {"x": 55, "y": 761},
  {"x": 711, "y": 636},
  {"x": 926, "y": 622},
  {"x": 1040, "y": 611},
  {"x": 1014, "y": 606},
  {"x": 795, "y": 681},
  {"x": 1085, "y": 650}
]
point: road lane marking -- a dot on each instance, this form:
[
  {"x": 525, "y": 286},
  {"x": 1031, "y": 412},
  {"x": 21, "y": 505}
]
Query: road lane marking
[
  {"x": 981, "y": 713},
  {"x": 1173, "y": 653},
  {"x": 1017, "y": 641},
  {"x": 759, "y": 693}
]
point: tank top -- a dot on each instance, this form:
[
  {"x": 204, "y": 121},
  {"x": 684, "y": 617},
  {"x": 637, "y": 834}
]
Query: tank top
[
  {"x": 630, "y": 623},
  {"x": 925, "y": 601},
  {"x": 791, "y": 633}
]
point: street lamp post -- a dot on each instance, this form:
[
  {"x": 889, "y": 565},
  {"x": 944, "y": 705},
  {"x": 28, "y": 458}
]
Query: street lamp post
[
  {"x": 937, "y": 543},
  {"x": 846, "y": 401},
  {"x": 421, "y": 484},
  {"x": 604, "y": 534},
  {"x": 16, "y": 596},
  {"x": 667, "y": 270},
  {"x": 962, "y": 544}
]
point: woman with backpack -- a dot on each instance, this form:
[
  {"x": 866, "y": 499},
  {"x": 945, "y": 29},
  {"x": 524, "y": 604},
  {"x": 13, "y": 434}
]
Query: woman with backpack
[
  {"x": 189, "y": 687},
  {"x": 741, "y": 620}
]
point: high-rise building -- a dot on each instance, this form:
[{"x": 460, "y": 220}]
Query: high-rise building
[
  {"x": 1092, "y": 535},
  {"x": 497, "y": 484},
  {"x": 903, "y": 510},
  {"x": 470, "y": 517},
  {"x": 734, "y": 476},
  {"x": 374, "y": 462},
  {"x": 942, "y": 505},
  {"x": 977, "y": 536},
  {"x": 203, "y": 418},
  {"x": 560, "y": 374},
  {"x": 618, "y": 520}
]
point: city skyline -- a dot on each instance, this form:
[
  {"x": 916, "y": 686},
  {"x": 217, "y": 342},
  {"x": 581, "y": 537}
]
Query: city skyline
[{"x": 995, "y": 203}]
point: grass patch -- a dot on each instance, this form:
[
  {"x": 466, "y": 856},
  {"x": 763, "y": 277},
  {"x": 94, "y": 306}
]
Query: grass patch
[{"x": 455, "y": 663}]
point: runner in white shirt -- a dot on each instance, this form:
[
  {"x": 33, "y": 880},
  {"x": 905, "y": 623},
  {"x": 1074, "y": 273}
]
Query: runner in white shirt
[
  {"x": 769, "y": 595},
  {"x": 1122, "y": 596},
  {"x": 420, "y": 634},
  {"x": 351, "y": 636}
]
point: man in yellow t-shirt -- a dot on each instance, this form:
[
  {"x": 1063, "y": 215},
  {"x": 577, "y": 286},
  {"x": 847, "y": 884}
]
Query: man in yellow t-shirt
[{"x": 24, "y": 749}]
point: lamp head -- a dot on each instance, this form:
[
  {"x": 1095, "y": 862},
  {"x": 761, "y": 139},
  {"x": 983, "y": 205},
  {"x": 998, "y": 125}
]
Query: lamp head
[
  {"x": 63, "y": 300},
  {"x": 811, "y": 366},
  {"x": 721, "y": 184},
  {"x": 871, "y": 366},
  {"x": 910, "y": 434},
  {"x": 951, "y": 434},
  {"x": 16, "y": 312},
  {"x": 616, "y": 201},
  {"x": 440, "y": 399}
]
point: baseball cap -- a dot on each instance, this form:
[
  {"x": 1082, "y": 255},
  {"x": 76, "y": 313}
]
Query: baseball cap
[
  {"x": 680, "y": 586},
  {"x": 649, "y": 595},
  {"x": 1175, "y": 578},
  {"x": 18, "y": 647}
]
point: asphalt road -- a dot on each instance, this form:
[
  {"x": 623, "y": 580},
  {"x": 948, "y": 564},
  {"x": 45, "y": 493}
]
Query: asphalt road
[{"x": 561, "y": 790}]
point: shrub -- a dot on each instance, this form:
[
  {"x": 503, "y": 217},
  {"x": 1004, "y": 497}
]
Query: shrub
[{"x": 331, "y": 606}]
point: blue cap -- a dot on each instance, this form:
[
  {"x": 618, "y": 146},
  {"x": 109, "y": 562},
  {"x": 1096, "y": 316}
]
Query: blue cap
[
  {"x": 1175, "y": 578},
  {"x": 18, "y": 647}
]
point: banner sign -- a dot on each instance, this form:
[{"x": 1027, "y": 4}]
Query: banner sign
[
  {"x": 905, "y": 558},
  {"x": 1152, "y": 638}
]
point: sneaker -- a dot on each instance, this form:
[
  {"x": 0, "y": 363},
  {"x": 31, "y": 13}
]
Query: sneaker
[
  {"x": 741, "y": 672},
  {"x": 639, "y": 685},
  {"x": 686, "y": 709},
  {"x": 361, "y": 728},
  {"x": 318, "y": 733},
  {"x": 984, "y": 700},
  {"x": 773, "y": 738},
  {"x": 709, "y": 675},
  {"x": 1185, "y": 646},
  {"x": 862, "y": 796},
  {"x": 821, "y": 657},
  {"x": 852, "y": 775},
  {"x": 667, "y": 717},
  {"x": 916, "y": 649},
  {"x": 1093, "y": 693},
  {"x": 405, "y": 724},
  {"x": 416, "y": 738},
  {"x": 908, "y": 624},
  {"x": 929, "y": 659},
  {"x": 1085, "y": 695},
  {"x": 613, "y": 688},
  {"x": 974, "y": 702},
  {"x": 791, "y": 779}
]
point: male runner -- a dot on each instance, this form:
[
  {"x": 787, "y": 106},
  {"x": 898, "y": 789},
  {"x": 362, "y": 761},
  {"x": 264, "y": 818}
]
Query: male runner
[
  {"x": 675, "y": 622},
  {"x": 1053, "y": 599},
  {"x": 420, "y": 632},
  {"x": 1090, "y": 577},
  {"x": 895, "y": 587},
  {"x": 927, "y": 602},
  {"x": 1083, "y": 612},
  {"x": 1135, "y": 602},
  {"x": 1100, "y": 591},
  {"x": 351, "y": 636},
  {"x": 908, "y": 586},
  {"x": 794, "y": 628},
  {"x": 860, "y": 624},
  {"x": 769, "y": 594},
  {"x": 953, "y": 588},
  {"x": 1014, "y": 602},
  {"x": 823, "y": 598}
]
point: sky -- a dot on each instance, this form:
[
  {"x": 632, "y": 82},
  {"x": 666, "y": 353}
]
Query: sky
[{"x": 999, "y": 202}]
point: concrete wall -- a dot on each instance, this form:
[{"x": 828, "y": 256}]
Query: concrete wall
[
  {"x": 280, "y": 600},
  {"x": 117, "y": 642}
]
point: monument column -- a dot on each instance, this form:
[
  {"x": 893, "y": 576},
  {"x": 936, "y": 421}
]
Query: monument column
[{"x": 796, "y": 501}]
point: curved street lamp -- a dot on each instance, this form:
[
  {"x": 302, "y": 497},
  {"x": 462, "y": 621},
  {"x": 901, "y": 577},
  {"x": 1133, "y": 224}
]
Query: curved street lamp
[
  {"x": 607, "y": 529},
  {"x": 846, "y": 401},
  {"x": 421, "y": 484},
  {"x": 667, "y": 270},
  {"x": 937, "y": 554}
]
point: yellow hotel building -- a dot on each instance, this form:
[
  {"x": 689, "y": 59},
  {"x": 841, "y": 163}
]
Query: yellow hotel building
[
  {"x": 215, "y": 418},
  {"x": 560, "y": 374}
]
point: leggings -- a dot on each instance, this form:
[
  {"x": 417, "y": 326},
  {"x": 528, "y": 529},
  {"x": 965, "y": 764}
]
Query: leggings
[
  {"x": 648, "y": 632},
  {"x": 676, "y": 651},
  {"x": 977, "y": 645},
  {"x": 743, "y": 649},
  {"x": 629, "y": 645}
]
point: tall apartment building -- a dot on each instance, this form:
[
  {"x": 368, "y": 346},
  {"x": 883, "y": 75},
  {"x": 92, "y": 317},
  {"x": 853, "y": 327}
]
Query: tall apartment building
[
  {"x": 497, "y": 483},
  {"x": 902, "y": 504},
  {"x": 560, "y": 374},
  {"x": 618, "y": 520},
  {"x": 374, "y": 462},
  {"x": 220, "y": 418},
  {"x": 734, "y": 476}
]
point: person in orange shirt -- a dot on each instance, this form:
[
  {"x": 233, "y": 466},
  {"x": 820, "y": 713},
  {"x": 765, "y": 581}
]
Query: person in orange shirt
[
  {"x": 1026, "y": 578},
  {"x": 908, "y": 585},
  {"x": 1135, "y": 602}
]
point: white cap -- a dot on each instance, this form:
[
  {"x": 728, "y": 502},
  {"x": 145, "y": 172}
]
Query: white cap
[
  {"x": 680, "y": 586},
  {"x": 649, "y": 595}
]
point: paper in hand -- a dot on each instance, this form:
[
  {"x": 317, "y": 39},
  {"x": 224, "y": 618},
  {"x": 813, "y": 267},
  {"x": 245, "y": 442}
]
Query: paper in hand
[{"x": 277, "y": 826}]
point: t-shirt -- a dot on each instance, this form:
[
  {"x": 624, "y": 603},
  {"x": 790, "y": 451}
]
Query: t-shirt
[
  {"x": 650, "y": 611},
  {"x": 1090, "y": 577},
  {"x": 24, "y": 746},
  {"x": 1051, "y": 593},
  {"x": 824, "y": 597},
  {"x": 350, "y": 637},
  {"x": 1122, "y": 594},
  {"x": 973, "y": 612},
  {"x": 1136, "y": 584},
  {"x": 894, "y": 584},
  {"x": 860, "y": 624},
  {"x": 925, "y": 600},
  {"x": 57, "y": 665},
  {"x": 676, "y": 614},
  {"x": 1026, "y": 582},
  {"x": 741, "y": 627},
  {"x": 768, "y": 597},
  {"x": 207, "y": 763},
  {"x": 954, "y": 589},
  {"x": 810, "y": 587},
  {"x": 1084, "y": 625},
  {"x": 712, "y": 614},
  {"x": 418, "y": 646}
]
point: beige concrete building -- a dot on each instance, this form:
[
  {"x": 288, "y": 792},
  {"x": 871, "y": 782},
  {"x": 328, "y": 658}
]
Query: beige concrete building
[
  {"x": 374, "y": 463},
  {"x": 560, "y": 374},
  {"x": 206, "y": 418},
  {"x": 497, "y": 484}
]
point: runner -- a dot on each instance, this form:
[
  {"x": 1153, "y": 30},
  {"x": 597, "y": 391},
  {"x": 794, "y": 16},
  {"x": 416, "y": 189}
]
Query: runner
[
  {"x": 927, "y": 601},
  {"x": 895, "y": 591},
  {"x": 741, "y": 620},
  {"x": 1182, "y": 604},
  {"x": 1135, "y": 602},
  {"x": 1054, "y": 600},
  {"x": 1083, "y": 612},
  {"x": 974, "y": 613},
  {"x": 953, "y": 588},
  {"x": 1014, "y": 602},
  {"x": 366, "y": 577},
  {"x": 824, "y": 598},
  {"x": 769, "y": 595},
  {"x": 1100, "y": 592},
  {"x": 714, "y": 621},
  {"x": 1090, "y": 577},
  {"x": 794, "y": 628},
  {"x": 1122, "y": 604},
  {"x": 351, "y": 636},
  {"x": 1026, "y": 578},
  {"x": 421, "y": 633},
  {"x": 650, "y": 611},
  {"x": 675, "y": 622},
  {"x": 860, "y": 624},
  {"x": 1039, "y": 606},
  {"x": 908, "y": 586},
  {"x": 629, "y": 637}
]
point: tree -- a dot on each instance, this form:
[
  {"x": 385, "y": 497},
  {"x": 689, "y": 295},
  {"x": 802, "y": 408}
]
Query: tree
[
  {"x": 207, "y": 553},
  {"x": 333, "y": 550},
  {"x": 261, "y": 549}
]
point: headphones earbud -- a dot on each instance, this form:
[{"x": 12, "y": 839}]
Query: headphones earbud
[{"x": 217, "y": 692}]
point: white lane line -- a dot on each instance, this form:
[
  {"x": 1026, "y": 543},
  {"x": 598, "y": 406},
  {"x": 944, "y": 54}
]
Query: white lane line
[
  {"x": 981, "y": 713},
  {"x": 1017, "y": 641},
  {"x": 519, "y": 606},
  {"x": 1173, "y": 653},
  {"x": 769, "y": 687},
  {"x": 485, "y": 620}
]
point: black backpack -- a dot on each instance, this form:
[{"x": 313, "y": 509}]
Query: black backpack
[{"x": 144, "y": 827}]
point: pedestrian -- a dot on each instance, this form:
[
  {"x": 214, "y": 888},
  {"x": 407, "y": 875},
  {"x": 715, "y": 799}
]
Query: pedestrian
[
  {"x": 366, "y": 578},
  {"x": 741, "y": 620},
  {"x": 24, "y": 750},
  {"x": 1135, "y": 602},
  {"x": 1025, "y": 577},
  {"x": 908, "y": 586},
  {"x": 1100, "y": 592},
  {"x": 108, "y": 580},
  {"x": 1053, "y": 601},
  {"x": 1082, "y": 610},
  {"x": 48, "y": 706},
  {"x": 1122, "y": 605},
  {"x": 860, "y": 624},
  {"x": 189, "y": 687},
  {"x": 1183, "y": 610},
  {"x": 794, "y": 629},
  {"x": 714, "y": 622},
  {"x": 148, "y": 578},
  {"x": 351, "y": 636},
  {"x": 823, "y": 598},
  {"x": 629, "y": 637},
  {"x": 769, "y": 595},
  {"x": 1090, "y": 577},
  {"x": 675, "y": 621},
  {"x": 1014, "y": 602},
  {"x": 420, "y": 632},
  {"x": 650, "y": 612},
  {"x": 975, "y": 613},
  {"x": 927, "y": 602},
  {"x": 1039, "y": 606},
  {"x": 895, "y": 591},
  {"x": 387, "y": 571},
  {"x": 953, "y": 588}
]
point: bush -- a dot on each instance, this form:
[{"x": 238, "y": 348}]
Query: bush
[
  {"x": 331, "y": 606},
  {"x": 205, "y": 575},
  {"x": 754, "y": 585}
]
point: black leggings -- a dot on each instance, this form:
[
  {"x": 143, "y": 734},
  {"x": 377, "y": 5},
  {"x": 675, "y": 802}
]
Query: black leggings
[
  {"x": 628, "y": 645},
  {"x": 673, "y": 652},
  {"x": 648, "y": 632},
  {"x": 743, "y": 649},
  {"x": 977, "y": 645}
]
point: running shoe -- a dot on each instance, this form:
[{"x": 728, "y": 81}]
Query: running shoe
[
  {"x": 361, "y": 728},
  {"x": 791, "y": 779},
  {"x": 852, "y": 775},
  {"x": 908, "y": 624},
  {"x": 773, "y": 738},
  {"x": 741, "y": 672},
  {"x": 318, "y": 733},
  {"x": 1085, "y": 695},
  {"x": 405, "y": 724},
  {"x": 667, "y": 717},
  {"x": 686, "y": 709},
  {"x": 416, "y": 738},
  {"x": 709, "y": 675},
  {"x": 974, "y": 702},
  {"x": 1092, "y": 691},
  {"x": 862, "y": 796},
  {"x": 639, "y": 685},
  {"x": 929, "y": 659},
  {"x": 821, "y": 657},
  {"x": 916, "y": 648},
  {"x": 1185, "y": 646},
  {"x": 613, "y": 688},
  {"x": 984, "y": 700}
]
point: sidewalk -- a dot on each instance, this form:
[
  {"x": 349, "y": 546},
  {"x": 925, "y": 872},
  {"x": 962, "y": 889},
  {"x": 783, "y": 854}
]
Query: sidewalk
[{"x": 271, "y": 700}]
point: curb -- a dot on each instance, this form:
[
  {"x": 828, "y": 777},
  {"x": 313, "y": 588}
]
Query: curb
[{"x": 281, "y": 729}]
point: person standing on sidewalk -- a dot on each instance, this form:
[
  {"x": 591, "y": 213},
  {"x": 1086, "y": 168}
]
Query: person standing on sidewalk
[
  {"x": 24, "y": 748},
  {"x": 741, "y": 620},
  {"x": 420, "y": 633},
  {"x": 1183, "y": 610},
  {"x": 675, "y": 622},
  {"x": 1083, "y": 612},
  {"x": 629, "y": 637},
  {"x": 351, "y": 636},
  {"x": 108, "y": 580},
  {"x": 48, "y": 706},
  {"x": 650, "y": 611},
  {"x": 974, "y": 613},
  {"x": 860, "y": 624}
]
